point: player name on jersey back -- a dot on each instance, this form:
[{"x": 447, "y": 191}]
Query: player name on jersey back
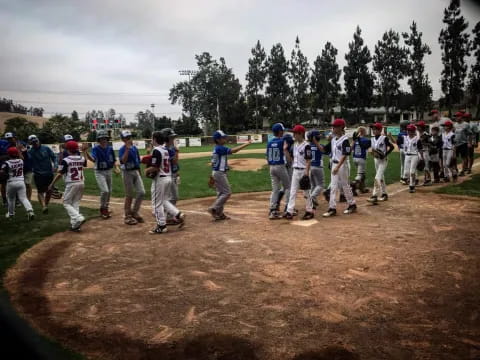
[
  {"x": 72, "y": 168},
  {"x": 14, "y": 168}
]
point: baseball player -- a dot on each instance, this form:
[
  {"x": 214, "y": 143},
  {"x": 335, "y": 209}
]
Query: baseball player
[
  {"x": 448, "y": 152},
  {"x": 462, "y": 138},
  {"x": 27, "y": 169},
  {"x": 160, "y": 170},
  {"x": 435, "y": 152},
  {"x": 277, "y": 155},
  {"x": 12, "y": 170},
  {"x": 473, "y": 142},
  {"x": 288, "y": 164},
  {"x": 316, "y": 167},
  {"x": 71, "y": 168},
  {"x": 360, "y": 147},
  {"x": 424, "y": 138},
  {"x": 5, "y": 144},
  {"x": 339, "y": 149},
  {"x": 381, "y": 148},
  {"x": 63, "y": 151},
  {"x": 103, "y": 157},
  {"x": 412, "y": 145},
  {"x": 132, "y": 178},
  {"x": 302, "y": 157},
  {"x": 399, "y": 142}
]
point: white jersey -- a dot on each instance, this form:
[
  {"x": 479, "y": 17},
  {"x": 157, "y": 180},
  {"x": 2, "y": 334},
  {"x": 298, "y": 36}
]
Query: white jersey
[
  {"x": 14, "y": 169},
  {"x": 410, "y": 145},
  {"x": 380, "y": 143},
  {"x": 301, "y": 153},
  {"x": 161, "y": 160},
  {"x": 72, "y": 168},
  {"x": 448, "y": 140},
  {"x": 339, "y": 148}
]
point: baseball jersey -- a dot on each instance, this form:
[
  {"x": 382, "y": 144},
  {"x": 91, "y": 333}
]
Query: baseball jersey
[
  {"x": 219, "y": 158},
  {"x": 161, "y": 160},
  {"x": 380, "y": 143},
  {"x": 425, "y": 140},
  {"x": 462, "y": 133},
  {"x": 133, "y": 159},
  {"x": 317, "y": 160},
  {"x": 172, "y": 152},
  {"x": 14, "y": 169},
  {"x": 360, "y": 147},
  {"x": 400, "y": 139},
  {"x": 72, "y": 168},
  {"x": 275, "y": 155},
  {"x": 448, "y": 140},
  {"x": 435, "y": 144},
  {"x": 412, "y": 146},
  {"x": 301, "y": 153},
  {"x": 104, "y": 157},
  {"x": 339, "y": 147}
]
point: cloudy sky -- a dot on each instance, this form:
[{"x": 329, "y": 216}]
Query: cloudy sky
[{"x": 70, "y": 54}]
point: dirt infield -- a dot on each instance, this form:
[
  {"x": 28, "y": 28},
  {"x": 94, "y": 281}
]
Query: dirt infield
[{"x": 400, "y": 280}]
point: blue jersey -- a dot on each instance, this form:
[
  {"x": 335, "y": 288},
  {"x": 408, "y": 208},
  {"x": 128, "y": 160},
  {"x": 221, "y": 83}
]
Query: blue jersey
[
  {"x": 4, "y": 145},
  {"x": 316, "y": 155},
  {"x": 104, "y": 157},
  {"x": 219, "y": 158},
  {"x": 275, "y": 155},
  {"x": 133, "y": 160},
  {"x": 360, "y": 147},
  {"x": 400, "y": 139},
  {"x": 171, "y": 153}
]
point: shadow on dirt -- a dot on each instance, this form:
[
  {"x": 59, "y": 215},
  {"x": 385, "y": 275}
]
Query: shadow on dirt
[{"x": 328, "y": 353}]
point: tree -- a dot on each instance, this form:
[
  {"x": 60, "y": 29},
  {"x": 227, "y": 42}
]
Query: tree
[
  {"x": 59, "y": 125},
  {"x": 474, "y": 78},
  {"x": 75, "y": 116},
  {"x": 298, "y": 72},
  {"x": 357, "y": 76},
  {"x": 21, "y": 127},
  {"x": 324, "y": 83},
  {"x": 145, "y": 121},
  {"x": 418, "y": 80},
  {"x": 277, "y": 85},
  {"x": 455, "y": 45},
  {"x": 187, "y": 126},
  {"x": 390, "y": 64},
  {"x": 256, "y": 77}
]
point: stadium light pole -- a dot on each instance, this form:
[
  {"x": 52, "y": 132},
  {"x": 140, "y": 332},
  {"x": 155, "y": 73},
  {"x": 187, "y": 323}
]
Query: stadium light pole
[{"x": 152, "y": 106}]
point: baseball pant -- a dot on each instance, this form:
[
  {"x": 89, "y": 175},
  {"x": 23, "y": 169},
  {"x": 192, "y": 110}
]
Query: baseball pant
[
  {"x": 132, "y": 181},
  {"x": 174, "y": 189},
  {"x": 340, "y": 181},
  {"x": 290, "y": 171},
  {"x": 14, "y": 189},
  {"x": 411, "y": 162},
  {"x": 379, "y": 187},
  {"x": 104, "y": 182},
  {"x": 161, "y": 190},
  {"x": 223, "y": 191},
  {"x": 426, "y": 158},
  {"x": 448, "y": 168},
  {"x": 71, "y": 202},
  {"x": 316, "y": 181},
  {"x": 361, "y": 165},
  {"x": 402, "y": 163},
  {"x": 295, "y": 185},
  {"x": 280, "y": 179}
]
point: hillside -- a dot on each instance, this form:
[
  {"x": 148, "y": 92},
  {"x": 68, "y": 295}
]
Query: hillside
[{"x": 4, "y": 116}]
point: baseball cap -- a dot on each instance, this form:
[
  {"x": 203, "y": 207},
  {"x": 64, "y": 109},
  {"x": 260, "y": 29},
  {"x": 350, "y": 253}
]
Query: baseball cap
[
  {"x": 12, "y": 151},
  {"x": 448, "y": 123},
  {"x": 67, "y": 137},
  {"x": 467, "y": 115},
  {"x": 298, "y": 129},
  {"x": 278, "y": 127},
  {"x": 102, "y": 134},
  {"x": 219, "y": 134},
  {"x": 459, "y": 114},
  {"x": 33, "y": 138},
  {"x": 9, "y": 135},
  {"x": 71, "y": 145},
  {"x": 313, "y": 134},
  {"x": 339, "y": 123},
  {"x": 377, "y": 126},
  {"x": 411, "y": 127},
  {"x": 168, "y": 132},
  {"x": 288, "y": 138},
  {"x": 434, "y": 111},
  {"x": 125, "y": 133},
  {"x": 421, "y": 124}
]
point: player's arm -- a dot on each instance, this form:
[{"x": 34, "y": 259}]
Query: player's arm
[
  {"x": 308, "y": 159},
  {"x": 391, "y": 138},
  {"x": 240, "y": 147},
  {"x": 286, "y": 152},
  {"x": 53, "y": 158},
  {"x": 346, "y": 150},
  {"x": 62, "y": 169},
  {"x": 124, "y": 157},
  {"x": 389, "y": 145},
  {"x": 420, "y": 149},
  {"x": 318, "y": 145},
  {"x": 116, "y": 165},
  {"x": 87, "y": 154}
]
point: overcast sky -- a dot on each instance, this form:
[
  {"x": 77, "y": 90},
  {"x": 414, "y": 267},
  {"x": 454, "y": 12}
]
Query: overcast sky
[{"x": 72, "y": 54}]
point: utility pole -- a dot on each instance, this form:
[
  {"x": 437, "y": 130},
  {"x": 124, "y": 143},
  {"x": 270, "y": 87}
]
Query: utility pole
[{"x": 152, "y": 106}]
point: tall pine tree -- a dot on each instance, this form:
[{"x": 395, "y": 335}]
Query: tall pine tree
[
  {"x": 455, "y": 44},
  {"x": 256, "y": 77},
  {"x": 324, "y": 83},
  {"x": 418, "y": 80},
  {"x": 299, "y": 76},
  {"x": 357, "y": 76},
  {"x": 277, "y": 85},
  {"x": 474, "y": 78}
]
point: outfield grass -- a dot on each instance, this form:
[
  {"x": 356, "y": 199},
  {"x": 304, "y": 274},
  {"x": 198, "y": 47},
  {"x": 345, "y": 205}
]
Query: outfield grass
[
  {"x": 467, "y": 188},
  {"x": 208, "y": 148}
]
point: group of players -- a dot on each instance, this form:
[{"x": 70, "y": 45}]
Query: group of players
[{"x": 295, "y": 163}]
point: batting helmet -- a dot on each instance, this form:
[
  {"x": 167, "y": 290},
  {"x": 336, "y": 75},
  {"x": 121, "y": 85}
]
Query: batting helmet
[
  {"x": 288, "y": 138},
  {"x": 102, "y": 134}
]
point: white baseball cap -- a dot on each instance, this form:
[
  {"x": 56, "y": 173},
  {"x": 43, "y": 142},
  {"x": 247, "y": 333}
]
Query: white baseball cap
[
  {"x": 8, "y": 135},
  {"x": 125, "y": 133},
  {"x": 67, "y": 137},
  {"x": 33, "y": 138}
]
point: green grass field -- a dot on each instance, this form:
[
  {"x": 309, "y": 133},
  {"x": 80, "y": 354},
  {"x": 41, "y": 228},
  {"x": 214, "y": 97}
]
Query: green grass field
[
  {"x": 467, "y": 188},
  {"x": 207, "y": 148}
]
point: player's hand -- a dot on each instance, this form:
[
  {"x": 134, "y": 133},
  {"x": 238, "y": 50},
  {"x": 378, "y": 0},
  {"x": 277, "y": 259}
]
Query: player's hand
[
  {"x": 84, "y": 147},
  {"x": 116, "y": 170},
  {"x": 469, "y": 145},
  {"x": 50, "y": 187},
  {"x": 335, "y": 171},
  {"x": 21, "y": 147}
]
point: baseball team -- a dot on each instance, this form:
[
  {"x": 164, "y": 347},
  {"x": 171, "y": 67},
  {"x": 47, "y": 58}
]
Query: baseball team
[{"x": 296, "y": 163}]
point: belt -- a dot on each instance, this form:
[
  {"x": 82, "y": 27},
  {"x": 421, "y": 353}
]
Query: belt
[
  {"x": 163, "y": 175},
  {"x": 410, "y": 154},
  {"x": 335, "y": 161},
  {"x": 297, "y": 168}
]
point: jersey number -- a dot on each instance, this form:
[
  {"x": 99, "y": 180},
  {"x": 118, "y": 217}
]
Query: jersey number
[
  {"x": 166, "y": 166},
  {"x": 17, "y": 172},
  {"x": 273, "y": 154},
  {"x": 76, "y": 174}
]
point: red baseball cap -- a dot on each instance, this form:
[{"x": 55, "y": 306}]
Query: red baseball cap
[
  {"x": 339, "y": 123},
  {"x": 459, "y": 113},
  {"x": 411, "y": 127},
  {"x": 448, "y": 123},
  {"x": 377, "y": 126},
  {"x": 434, "y": 111},
  {"x": 421, "y": 124},
  {"x": 467, "y": 115},
  {"x": 298, "y": 129},
  {"x": 12, "y": 151},
  {"x": 71, "y": 146}
]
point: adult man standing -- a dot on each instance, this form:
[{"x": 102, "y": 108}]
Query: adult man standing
[
  {"x": 462, "y": 136},
  {"x": 44, "y": 163},
  {"x": 472, "y": 143}
]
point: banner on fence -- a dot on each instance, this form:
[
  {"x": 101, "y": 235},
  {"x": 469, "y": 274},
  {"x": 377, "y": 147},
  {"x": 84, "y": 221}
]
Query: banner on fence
[
  {"x": 194, "y": 141},
  {"x": 242, "y": 139},
  {"x": 394, "y": 130},
  {"x": 257, "y": 138},
  {"x": 181, "y": 142}
]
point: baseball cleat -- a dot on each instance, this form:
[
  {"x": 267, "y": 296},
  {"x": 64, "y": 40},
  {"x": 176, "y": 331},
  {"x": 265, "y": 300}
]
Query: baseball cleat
[
  {"x": 104, "y": 213},
  {"x": 315, "y": 203},
  {"x": 351, "y": 209},
  {"x": 412, "y": 189},
  {"x": 446, "y": 179},
  {"x": 180, "y": 219},
  {"x": 8, "y": 216},
  {"x": 212, "y": 212},
  {"x": 288, "y": 216},
  {"x": 30, "y": 215},
  {"x": 384, "y": 197},
  {"x": 129, "y": 220},
  {"x": 159, "y": 229},
  {"x": 403, "y": 182},
  {"x": 138, "y": 218},
  {"x": 330, "y": 212},
  {"x": 469, "y": 171},
  {"x": 308, "y": 215},
  {"x": 373, "y": 200},
  {"x": 427, "y": 183},
  {"x": 222, "y": 217},
  {"x": 274, "y": 214},
  {"x": 461, "y": 173},
  {"x": 454, "y": 178},
  {"x": 45, "y": 210}
]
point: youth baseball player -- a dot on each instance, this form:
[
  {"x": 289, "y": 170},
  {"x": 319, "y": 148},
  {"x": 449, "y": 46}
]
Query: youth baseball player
[
  {"x": 288, "y": 164},
  {"x": 448, "y": 152},
  {"x": 399, "y": 142},
  {"x": 12, "y": 170},
  {"x": 71, "y": 168},
  {"x": 169, "y": 136},
  {"x": 435, "y": 151},
  {"x": 316, "y": 167},
  {"x": 340, "y": 149},
  {"x": 219, "y": 173},
  {"x": 424, "y": 138},
  {"x": 413, "y": 148},
  {"x": 103, "y": 157},
  {"x": 473, "y": 141},
  {"x": 360, "y": 147},
  {"x": 132, "y": 179},
  {"x": 160, "y": 170},
  {"x": 462, "y": 138},
  {"x": 277, "y": 154},
  {"x": 63, "y": 150},
  {"x": 302, "y": 157},
  {"x": 381, "y": 148}
]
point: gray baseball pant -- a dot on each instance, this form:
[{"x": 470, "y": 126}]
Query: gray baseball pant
[
  {"x": 223, "y": 191},
  {"x": 174, "y": 189},
  {"x": 132, "y": 181},
  {"x": 316, "y": 181},
  {"x": 402, "y": 163},
  {"x": 104, "y": 182},
  {"x": 14, "y": 189},
  {"x": 280, "y": 178},
  {"x": 361, "y": 165}
]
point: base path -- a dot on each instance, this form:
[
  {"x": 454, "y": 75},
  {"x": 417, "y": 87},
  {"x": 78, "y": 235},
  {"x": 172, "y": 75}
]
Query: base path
[{"x": 395, "y": 281}]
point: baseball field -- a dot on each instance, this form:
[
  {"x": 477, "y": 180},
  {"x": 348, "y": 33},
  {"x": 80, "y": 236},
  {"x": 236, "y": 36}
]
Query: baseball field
[{"x": 395, "y": 281}]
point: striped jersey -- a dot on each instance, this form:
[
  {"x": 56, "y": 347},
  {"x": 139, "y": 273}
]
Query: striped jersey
[
  {"x": 339, "y": 147},
  {"x": 380, "y": 143}
]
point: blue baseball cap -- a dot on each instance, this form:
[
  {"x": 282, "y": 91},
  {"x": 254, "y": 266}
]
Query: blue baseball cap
[
  {"x": 278, "y": 127},
  {"x": 219, "y": 134},
  {"x": 288, "y": 138}
]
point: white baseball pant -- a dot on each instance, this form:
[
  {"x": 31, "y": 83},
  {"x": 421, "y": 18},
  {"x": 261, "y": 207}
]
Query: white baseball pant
[
  {"x": 104, "y": 183},
  {"x": 411, "y": 162},
  {"x": 296, "y": 176},
  {"x": 426, "y": 157},
  {"x": 402, "y": 163},
  {"x": 379, "y": 187},
  {"x": 280, "y": 178},
  {"x": 161, "y": 190},
  {"x": 14, "y": 189},
  {"x": 448, "y": 170},
  {"x": 71, "y": 202},
  {"x": 340, "y": 181}
]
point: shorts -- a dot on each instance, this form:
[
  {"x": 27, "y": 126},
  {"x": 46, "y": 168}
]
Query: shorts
[
  {"x": 462, "y": 150},
  {"x": 42, "y": 182},
  {"x": 471, "y": 152},
  {"x": 28, "y": 178}
]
